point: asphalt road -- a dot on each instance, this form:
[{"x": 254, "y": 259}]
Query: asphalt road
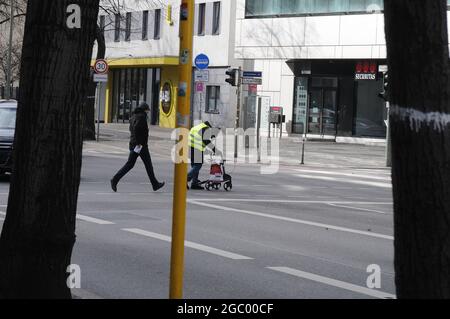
[{"x": 305, "y": 232}]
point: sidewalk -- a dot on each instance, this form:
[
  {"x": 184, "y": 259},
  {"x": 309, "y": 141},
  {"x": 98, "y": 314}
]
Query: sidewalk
[{"x": 317, "y": 154}]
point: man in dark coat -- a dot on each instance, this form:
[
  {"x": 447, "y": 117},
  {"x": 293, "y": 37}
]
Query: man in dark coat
[{"x": 138, "y": 147}]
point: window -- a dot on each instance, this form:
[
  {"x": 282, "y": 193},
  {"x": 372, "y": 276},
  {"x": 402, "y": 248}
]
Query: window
[
  {"x": 117, "y": 28},
  {"x": 201, "y": 18},
  {"x": 216, "y": 18},
  {"x": 102, "y": 24},
  {"x": 257, "y": 8},
  {"x": 157, "y": 30},
  {"x": 145, "y": 25},
  {"x": 128, "y": 27},
  {"x": 212, "y": 99}
]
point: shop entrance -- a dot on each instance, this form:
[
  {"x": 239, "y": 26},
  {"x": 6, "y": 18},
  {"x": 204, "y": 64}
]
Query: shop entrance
[{"x": 323, "y": 106}]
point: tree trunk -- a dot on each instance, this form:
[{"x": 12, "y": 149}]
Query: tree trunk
[
  {"x": 89, "y": 103},
  {"x": 39, "y": 231},
  {"x": 419, "y": 86}
]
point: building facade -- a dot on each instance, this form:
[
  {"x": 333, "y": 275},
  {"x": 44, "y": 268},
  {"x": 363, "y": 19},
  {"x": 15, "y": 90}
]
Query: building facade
[
  {"x": 214, "y": 35},
  {"x": 322, "y": 62},
  {"x": 143, "y": 49}
]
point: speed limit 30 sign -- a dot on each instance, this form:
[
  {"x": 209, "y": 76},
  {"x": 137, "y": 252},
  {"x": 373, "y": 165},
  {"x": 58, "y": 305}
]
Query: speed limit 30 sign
[{"x": 101, "y": 67}]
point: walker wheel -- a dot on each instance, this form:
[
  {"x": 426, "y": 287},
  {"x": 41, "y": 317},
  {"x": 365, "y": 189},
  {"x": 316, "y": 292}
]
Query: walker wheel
[
  {"x": 208, "y": 186},
  {"x": 228, "y": 186}
]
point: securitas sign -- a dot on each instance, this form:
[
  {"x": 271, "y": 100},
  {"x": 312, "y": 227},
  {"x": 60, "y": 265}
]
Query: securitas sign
[{"x": 366, "y": 70}]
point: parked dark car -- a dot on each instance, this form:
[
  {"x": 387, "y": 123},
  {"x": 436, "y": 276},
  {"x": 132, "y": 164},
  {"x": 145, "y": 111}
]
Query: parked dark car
[{"x": 8, "y": 110}]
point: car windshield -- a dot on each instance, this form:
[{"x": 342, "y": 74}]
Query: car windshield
[{"x": 7, "y": 118}]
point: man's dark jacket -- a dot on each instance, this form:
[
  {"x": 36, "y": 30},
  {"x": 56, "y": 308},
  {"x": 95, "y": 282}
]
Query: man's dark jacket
[{"x": 139, "y": 128}]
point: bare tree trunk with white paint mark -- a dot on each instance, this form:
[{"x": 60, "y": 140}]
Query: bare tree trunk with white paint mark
[{"x": 418, "y": 58}]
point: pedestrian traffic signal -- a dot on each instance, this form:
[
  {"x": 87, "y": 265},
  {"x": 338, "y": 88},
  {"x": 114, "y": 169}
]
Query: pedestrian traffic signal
[
  {"x": 233, "y": 79},
  {"x": 385, "y": 93}
]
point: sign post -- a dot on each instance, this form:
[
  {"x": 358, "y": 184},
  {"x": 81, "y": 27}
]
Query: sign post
[
  {"x": 181, "y": 165},
  {"x": 100, "y": 76}
]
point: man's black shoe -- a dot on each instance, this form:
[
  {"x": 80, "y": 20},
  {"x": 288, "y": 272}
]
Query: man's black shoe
[
  {"x": 159, "y": 186},
  {"x": 197, "y": 187},
  {"x": 114, "y": 186}
]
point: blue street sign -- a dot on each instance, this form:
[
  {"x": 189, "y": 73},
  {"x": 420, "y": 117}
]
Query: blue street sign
[
  {"x": 251, "y": 74},
  {"x": 202, "y": 62}
]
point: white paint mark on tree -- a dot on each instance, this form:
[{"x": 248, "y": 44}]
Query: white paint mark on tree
[{"x": 417, "y": 119}]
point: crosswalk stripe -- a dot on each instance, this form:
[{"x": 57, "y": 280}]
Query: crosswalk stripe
[
  {"x": 382, "y": 178},
  {"x": 94, "y": 220},
  {"x": 189, "y": 244},
  {"x": 293, "y": 220},
  {"x": 334, "y": 282},
  {"x": 346, "y": 180}
]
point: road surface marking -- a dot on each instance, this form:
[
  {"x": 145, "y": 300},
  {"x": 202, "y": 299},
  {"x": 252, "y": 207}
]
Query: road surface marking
[
  {"x": 2, "y": 213},
  {"x": 385, "y": 178},
  {"x": 346, "y": 180},
  {"x": 362, "y": 209},
  {"x": 251, "y": 200},
  {"x": 334, "y": 282},
  {"x": 293, "y": 220},
  {"x": 189, "y": 244},
  {"x": 94, "y": 220},
  {"x": 1, "y": 218}
]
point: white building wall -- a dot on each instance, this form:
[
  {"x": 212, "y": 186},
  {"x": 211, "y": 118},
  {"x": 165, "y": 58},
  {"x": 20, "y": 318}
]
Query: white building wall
[{"x": 270, "y": 42}]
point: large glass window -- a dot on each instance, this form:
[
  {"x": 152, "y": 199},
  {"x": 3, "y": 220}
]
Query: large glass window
[{"x": 307, "y": 7}]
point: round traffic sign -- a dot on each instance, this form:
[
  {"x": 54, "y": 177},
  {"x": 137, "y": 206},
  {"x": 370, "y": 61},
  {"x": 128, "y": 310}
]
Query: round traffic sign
[
  {"x": 101, "y": 66},
  {"x": 202, "y": 61}
]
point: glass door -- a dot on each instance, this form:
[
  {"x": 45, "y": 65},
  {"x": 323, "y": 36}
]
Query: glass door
[{"x": 322, "y": 111}]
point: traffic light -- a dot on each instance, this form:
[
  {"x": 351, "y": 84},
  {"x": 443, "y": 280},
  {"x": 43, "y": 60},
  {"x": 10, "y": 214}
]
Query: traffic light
[
  {"x": 385, "y": 93},
  {"x": 233, "y": 79}
]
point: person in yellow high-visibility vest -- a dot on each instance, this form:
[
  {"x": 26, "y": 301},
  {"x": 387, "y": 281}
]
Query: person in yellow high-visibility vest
[{"x": 199, "y": 141}]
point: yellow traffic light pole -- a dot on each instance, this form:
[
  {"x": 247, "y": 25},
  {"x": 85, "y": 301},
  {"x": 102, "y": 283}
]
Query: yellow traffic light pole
[{"x": 180, "y": 180}]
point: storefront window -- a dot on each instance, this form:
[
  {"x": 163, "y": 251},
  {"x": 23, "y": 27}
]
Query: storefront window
[{"x": 130, "y": 88}]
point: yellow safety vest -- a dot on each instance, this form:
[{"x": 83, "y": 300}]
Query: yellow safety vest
[{"x": 196, "y": 139}]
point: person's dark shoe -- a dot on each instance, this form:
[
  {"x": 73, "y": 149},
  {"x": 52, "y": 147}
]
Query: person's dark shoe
[
  {"x": 114, "y": 186},
  {"x": 159, "y": 186},
  {"x": 197, "y": 187}
]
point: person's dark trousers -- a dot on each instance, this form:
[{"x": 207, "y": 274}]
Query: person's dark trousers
[
  {"x": 146, "y": 158},
  {"x": 196, "y": 164},
  {"x": 194, "y": 172}
]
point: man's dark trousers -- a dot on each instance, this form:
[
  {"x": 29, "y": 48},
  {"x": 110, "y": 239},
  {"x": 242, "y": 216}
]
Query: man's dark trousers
[{"x": 146, "y": 158}]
